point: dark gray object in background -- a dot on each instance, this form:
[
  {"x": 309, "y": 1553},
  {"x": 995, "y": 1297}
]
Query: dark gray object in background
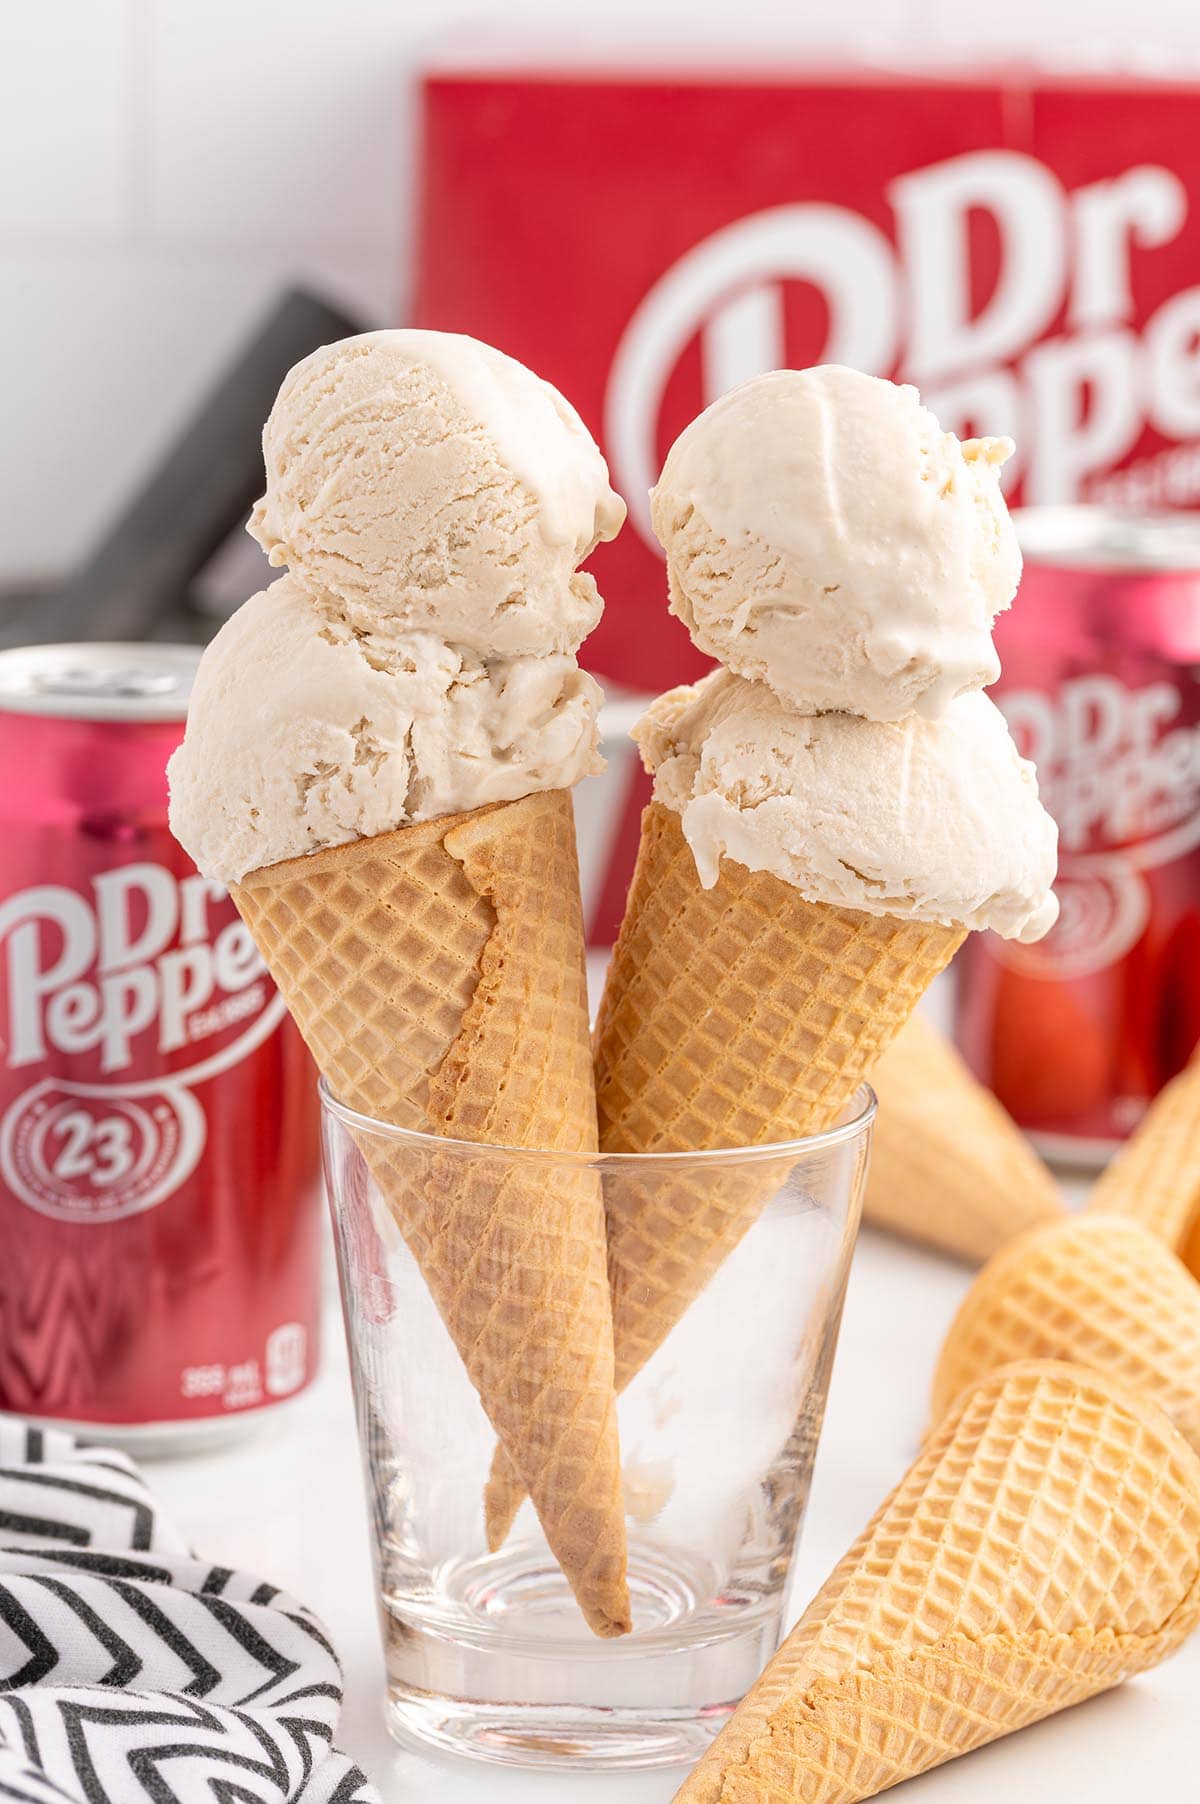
[{"x": 135, "y": 584}]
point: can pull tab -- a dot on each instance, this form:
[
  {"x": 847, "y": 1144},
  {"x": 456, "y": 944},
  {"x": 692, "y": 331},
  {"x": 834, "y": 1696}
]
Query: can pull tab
[
  {"x": 122, "y": 681},
  {"x": 134, "y": 683}
]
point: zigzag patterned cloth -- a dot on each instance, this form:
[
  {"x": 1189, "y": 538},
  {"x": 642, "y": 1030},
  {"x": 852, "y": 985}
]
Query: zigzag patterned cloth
[{"x": 130, "y": 1670}]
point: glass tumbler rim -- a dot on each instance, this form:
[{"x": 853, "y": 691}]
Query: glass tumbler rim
[{"x": 863, "y": 1103}]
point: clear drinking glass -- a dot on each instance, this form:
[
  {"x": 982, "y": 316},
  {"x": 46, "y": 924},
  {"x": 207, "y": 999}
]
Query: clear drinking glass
[{"x": 488, "y": 1654}]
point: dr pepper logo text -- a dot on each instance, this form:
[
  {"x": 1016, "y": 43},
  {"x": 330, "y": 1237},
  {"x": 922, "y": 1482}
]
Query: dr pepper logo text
[
  {"x": 905, "y": 302},
  {"x": 142, "y": 987}
]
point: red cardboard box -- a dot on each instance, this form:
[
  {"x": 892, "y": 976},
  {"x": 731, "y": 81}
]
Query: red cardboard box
[{"x": 1024, "y": 247}]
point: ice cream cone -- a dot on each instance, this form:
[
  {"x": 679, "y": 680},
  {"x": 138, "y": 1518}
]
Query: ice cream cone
[
  {"x": 1099, "y": 1290},
  {"x": 733, "y": 1016},
  {"x": 437, "y": 975},
  {"x": 949, "y": 1166},
  {"x": 1045, "y": 1547},
  {"x": 1156, "y": 1174}
]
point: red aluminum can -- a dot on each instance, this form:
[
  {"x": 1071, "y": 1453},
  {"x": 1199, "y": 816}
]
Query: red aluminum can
[
  {"x": 1020, "y": 242},
  {"x": 1101, "y": 687},
  {"x": 158, "y": 1137}
]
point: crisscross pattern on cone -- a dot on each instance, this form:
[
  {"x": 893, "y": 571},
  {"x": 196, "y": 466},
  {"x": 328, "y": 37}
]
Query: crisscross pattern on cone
[
  {"x": 734, "y": 1016},
  {"x": 731, "y": 1017},
  {"x": 1099, "y": 1290},
  {"x": 437, "y": 975},
  {"x": 1156, "y": 1174},
  {"x": 1045, "y": 1546},
  {"x": 949, "y": 1166}
]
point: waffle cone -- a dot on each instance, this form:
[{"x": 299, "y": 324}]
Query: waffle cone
[
  {"x": 734, "y": 1016},
  {"x": 1099, "y": 1290},
  {"x": 1156, "y": 1174},
  {"x": 1045, "y": 1547},
  {"x": 437, "y": 976},
  {"x": 948, "y": 1165}
]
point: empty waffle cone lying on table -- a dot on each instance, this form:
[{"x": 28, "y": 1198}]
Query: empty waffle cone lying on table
[
  {"x": 1044, "y": 1548},
  {"x": 1098, "y": 1290},
  {"x": 949, "y": 1166},
  {"x": 1156, "y": 1175}
]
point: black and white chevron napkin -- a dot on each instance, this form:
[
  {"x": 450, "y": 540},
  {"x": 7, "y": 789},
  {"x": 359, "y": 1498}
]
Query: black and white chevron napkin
[{"x": 131, "y": 1670}]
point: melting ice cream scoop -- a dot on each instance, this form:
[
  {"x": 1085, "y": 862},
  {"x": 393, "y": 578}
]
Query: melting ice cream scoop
[
  {"x": 304, "y": 732},
  {"x": 825, "y": 536},
  {"x": 934, "y": 819}
]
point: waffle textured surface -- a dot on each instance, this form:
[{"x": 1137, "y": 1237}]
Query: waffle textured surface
[
  {"x": 949, "y": 1166},
  {"x": 1044, "y": 1547},
  {"x": 1096, "y": 1289},
  {"x": 735, "y": 1016},
  {"x": 1156, "y": 1174},
  {"x": 437, "y": 974}
]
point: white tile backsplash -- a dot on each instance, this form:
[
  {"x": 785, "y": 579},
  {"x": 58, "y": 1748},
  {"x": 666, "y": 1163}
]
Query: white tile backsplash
[
  {"x": 65, "y": 103},
  {"x": 1152, "y": 37},
  {"x": 295, "y": 137},
  {"x": 110, "y": 352},
  {"x": 167, "y": 166}
]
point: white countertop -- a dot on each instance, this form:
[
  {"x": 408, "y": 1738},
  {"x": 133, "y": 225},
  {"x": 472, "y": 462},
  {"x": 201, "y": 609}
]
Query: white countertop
[{"x": 288, "y": 1505}]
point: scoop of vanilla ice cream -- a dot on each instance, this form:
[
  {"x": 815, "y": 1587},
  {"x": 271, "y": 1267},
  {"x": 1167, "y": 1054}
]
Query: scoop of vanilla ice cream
[
  {"x": 825, "y": 536},
  {"x": 429, "y": 483},
  {"x": 934, "y": 819},
  {"x": 306, "y": 731}
]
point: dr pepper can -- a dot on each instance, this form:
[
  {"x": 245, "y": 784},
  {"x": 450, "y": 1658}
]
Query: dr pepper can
[
  {"x": 1101, "y": 687},
  {"x": 159, "y": 1227}
]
